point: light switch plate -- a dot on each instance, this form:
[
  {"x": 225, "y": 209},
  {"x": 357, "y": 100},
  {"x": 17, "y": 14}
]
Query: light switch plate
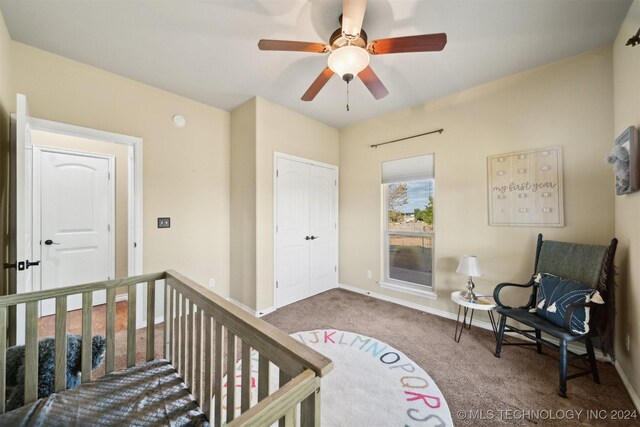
[{"x": 164, "y": 222}]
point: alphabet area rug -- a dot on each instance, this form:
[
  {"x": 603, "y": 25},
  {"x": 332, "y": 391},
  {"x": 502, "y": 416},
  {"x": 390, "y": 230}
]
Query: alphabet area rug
[{"x": 372, "y": 384}]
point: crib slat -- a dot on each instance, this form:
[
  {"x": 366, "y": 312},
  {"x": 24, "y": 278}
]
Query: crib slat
[
  {"x": 109, "y": 357},
  {"x": 131, "y": 326},
  {"x": 151, "y": 319},
  {"x": 263, "y": 377},
  {"x": 61, "y": 344},
  {"x": 183, "y": 338},
  {"x": 3, "y": 357},
  {"x": 176, "y": 330},
  {"x": 31, "y": 352},
  {"x": 290, "y": 418},
  {"x": 310, "y": 410},
  {"x": 205, "y": 401},
  {"x": 197, "y": 380},
  {"x": 189, "y": 344},
  {"x": 168, "y": 322},
  {"x": 218, "y": 374},
  {"x": 284, "y": 421},
  {"x": 231, "y": 375},
  {"x": 245, "y": 389},
  {"x": 87, "y": 311}
]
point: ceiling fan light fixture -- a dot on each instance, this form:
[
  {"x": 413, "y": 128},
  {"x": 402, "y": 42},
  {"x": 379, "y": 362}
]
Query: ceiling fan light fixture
[{"x": 348, "y": 60}]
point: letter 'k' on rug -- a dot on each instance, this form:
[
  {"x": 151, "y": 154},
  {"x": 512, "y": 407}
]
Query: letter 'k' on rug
[{"x": 372, "y": 384}]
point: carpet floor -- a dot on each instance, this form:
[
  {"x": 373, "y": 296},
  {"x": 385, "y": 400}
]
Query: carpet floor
[{"x": 520, "y": 388}]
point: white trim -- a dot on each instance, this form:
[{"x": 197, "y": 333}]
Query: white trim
[
  {"x": 266, "y": 311},
  {"x": 135, "y": 179},
  {"x": 242, "y": 306},
  {"x": 251, "y": 311},
  {"x": 156, "y": 320},
  {"x": 426, "y": 309},
  {"x": 409, "y": 288},
  {"x": 479, "y": 323},
  {"x": 122, "y": 297},
  {"x": 135, "y": 217},
  {"x": 278, "y": 155},
  {"x": 627, "y": 384}
]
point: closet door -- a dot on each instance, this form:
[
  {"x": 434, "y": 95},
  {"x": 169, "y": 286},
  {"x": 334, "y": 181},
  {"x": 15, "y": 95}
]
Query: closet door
[
  {"x": 292, "y": 230},
  {"x": 323, "y": 212}
]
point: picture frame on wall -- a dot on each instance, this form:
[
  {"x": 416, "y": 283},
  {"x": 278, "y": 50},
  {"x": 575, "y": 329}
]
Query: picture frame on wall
[
  {"x": 525, "y": 188},
  {"x": 625, "y": 160}
]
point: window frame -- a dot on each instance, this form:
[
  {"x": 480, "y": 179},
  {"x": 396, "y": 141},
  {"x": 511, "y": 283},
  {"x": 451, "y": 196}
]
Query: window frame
[{"x": 402, "y": 285}]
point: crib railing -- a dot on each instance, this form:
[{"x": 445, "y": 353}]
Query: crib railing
[{"x": 202, "y": 335}]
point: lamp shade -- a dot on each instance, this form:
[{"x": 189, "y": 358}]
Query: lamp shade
[
  {"x": 348, "y": 60},
  {"x": 469, "y": 266}
]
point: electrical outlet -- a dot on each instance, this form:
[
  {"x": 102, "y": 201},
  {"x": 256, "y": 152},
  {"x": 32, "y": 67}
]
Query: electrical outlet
[
  {"x": 212, "y": 283},
  {"x": 369, "y": 274},
  {"x": 628, "y": 342},
  {"x": 164, "y": 222}
]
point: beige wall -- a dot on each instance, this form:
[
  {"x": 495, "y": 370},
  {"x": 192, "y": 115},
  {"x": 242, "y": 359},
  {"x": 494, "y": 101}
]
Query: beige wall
[
  {"x": 626, "y": 79},
  {"x": 567, "y": 104},
  {"x": 243, "y": 204},
  {"x": 5, "y": 103},
  {"x": 120, "y": 153},
  {"x": 274, "y": 129},
  {"x": 186, "y": 171}
]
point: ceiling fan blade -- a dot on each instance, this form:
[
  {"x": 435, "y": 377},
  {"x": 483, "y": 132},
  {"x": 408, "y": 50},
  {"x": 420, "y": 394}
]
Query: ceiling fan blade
[
  {"x": 352, "y": 16},
  {"x": 373, "y": 83},
  {"x": 421, "y": 43},
  {"x": 289, "y": 45},
  {"x": 317, "y": 84}
]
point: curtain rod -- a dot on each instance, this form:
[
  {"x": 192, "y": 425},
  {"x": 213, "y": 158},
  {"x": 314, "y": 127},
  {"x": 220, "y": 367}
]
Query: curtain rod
[{"x": 408, "y": 137}]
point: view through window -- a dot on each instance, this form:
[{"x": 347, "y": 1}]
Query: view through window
[{"x": 409, "y": 232}]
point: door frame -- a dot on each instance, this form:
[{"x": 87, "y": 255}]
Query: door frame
[
  {"x": 134, "y": 217},
  {"x": 278, "y": 155},
  {"x": 37, "y": 204}
]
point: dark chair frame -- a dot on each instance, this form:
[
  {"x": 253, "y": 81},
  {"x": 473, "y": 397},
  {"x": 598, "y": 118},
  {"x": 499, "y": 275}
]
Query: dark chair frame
[{"x": 539, "y": 324}]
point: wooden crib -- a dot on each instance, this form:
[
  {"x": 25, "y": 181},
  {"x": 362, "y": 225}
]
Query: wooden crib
[{"x": 204, "y": 337}]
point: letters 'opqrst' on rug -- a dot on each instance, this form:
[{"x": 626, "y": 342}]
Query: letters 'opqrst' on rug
[{"x": 372, "y": 384}]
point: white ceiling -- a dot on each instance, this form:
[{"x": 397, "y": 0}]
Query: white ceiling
[{"x": 207, "y": 50}]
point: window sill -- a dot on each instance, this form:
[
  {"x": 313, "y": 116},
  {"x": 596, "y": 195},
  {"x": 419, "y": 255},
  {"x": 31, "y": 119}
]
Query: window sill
[{"x": 409, "y": 289}]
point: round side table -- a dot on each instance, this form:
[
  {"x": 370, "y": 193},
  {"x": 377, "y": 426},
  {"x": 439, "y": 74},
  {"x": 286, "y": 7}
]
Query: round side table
[{"x": 485, "y": 303}]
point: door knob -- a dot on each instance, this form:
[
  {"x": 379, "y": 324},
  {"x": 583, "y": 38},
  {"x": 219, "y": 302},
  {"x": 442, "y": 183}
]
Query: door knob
[
  {"x": 50, "y": 242},
  {"x": 315, "y": 237},
  {"x": 307, "y": 238}
]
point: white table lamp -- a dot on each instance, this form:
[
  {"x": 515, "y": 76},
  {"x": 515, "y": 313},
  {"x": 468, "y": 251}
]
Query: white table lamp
[{"x": 469, "y": 266}]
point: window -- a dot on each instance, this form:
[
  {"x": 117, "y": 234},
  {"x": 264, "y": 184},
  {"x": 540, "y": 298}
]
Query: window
[{"x": 408, "y": 212}]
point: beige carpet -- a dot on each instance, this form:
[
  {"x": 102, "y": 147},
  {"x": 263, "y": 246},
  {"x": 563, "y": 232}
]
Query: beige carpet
[{"x": 473, "y": 381}]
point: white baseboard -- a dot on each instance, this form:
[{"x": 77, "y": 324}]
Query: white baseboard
[
  {"x": 453, "y": 316},
  {"x": 242, "y": 306},
  {"x": 122, "y": 297},
  {"x": 265, "y": 311},
  {"x": 426, "y": 309},
  {"x": 627, "y": 384}
]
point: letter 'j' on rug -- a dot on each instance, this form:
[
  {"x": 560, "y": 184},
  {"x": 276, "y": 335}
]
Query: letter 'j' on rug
[{"x": 372, "y": 384}]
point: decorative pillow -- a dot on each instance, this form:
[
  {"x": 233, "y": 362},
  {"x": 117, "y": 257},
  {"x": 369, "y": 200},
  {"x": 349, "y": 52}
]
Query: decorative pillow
[
  {"x": 556, "y": 294},
  {"x": 46, "y": 366}
]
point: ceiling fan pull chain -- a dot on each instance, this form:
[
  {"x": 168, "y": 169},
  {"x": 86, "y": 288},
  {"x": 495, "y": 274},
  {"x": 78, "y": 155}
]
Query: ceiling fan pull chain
[{"x": 347, "y": 96}]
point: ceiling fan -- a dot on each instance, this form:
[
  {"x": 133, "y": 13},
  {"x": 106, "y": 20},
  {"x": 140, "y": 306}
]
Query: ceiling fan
[{"x": 349, "y": 50}]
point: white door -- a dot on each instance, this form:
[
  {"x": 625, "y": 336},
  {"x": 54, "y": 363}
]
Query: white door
[
  {"x": 306, "y": 230},
  {"x": 323, "y": 271},
  {"x": 76, "y": 217},
  {"x": 292, "y": 232}
]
